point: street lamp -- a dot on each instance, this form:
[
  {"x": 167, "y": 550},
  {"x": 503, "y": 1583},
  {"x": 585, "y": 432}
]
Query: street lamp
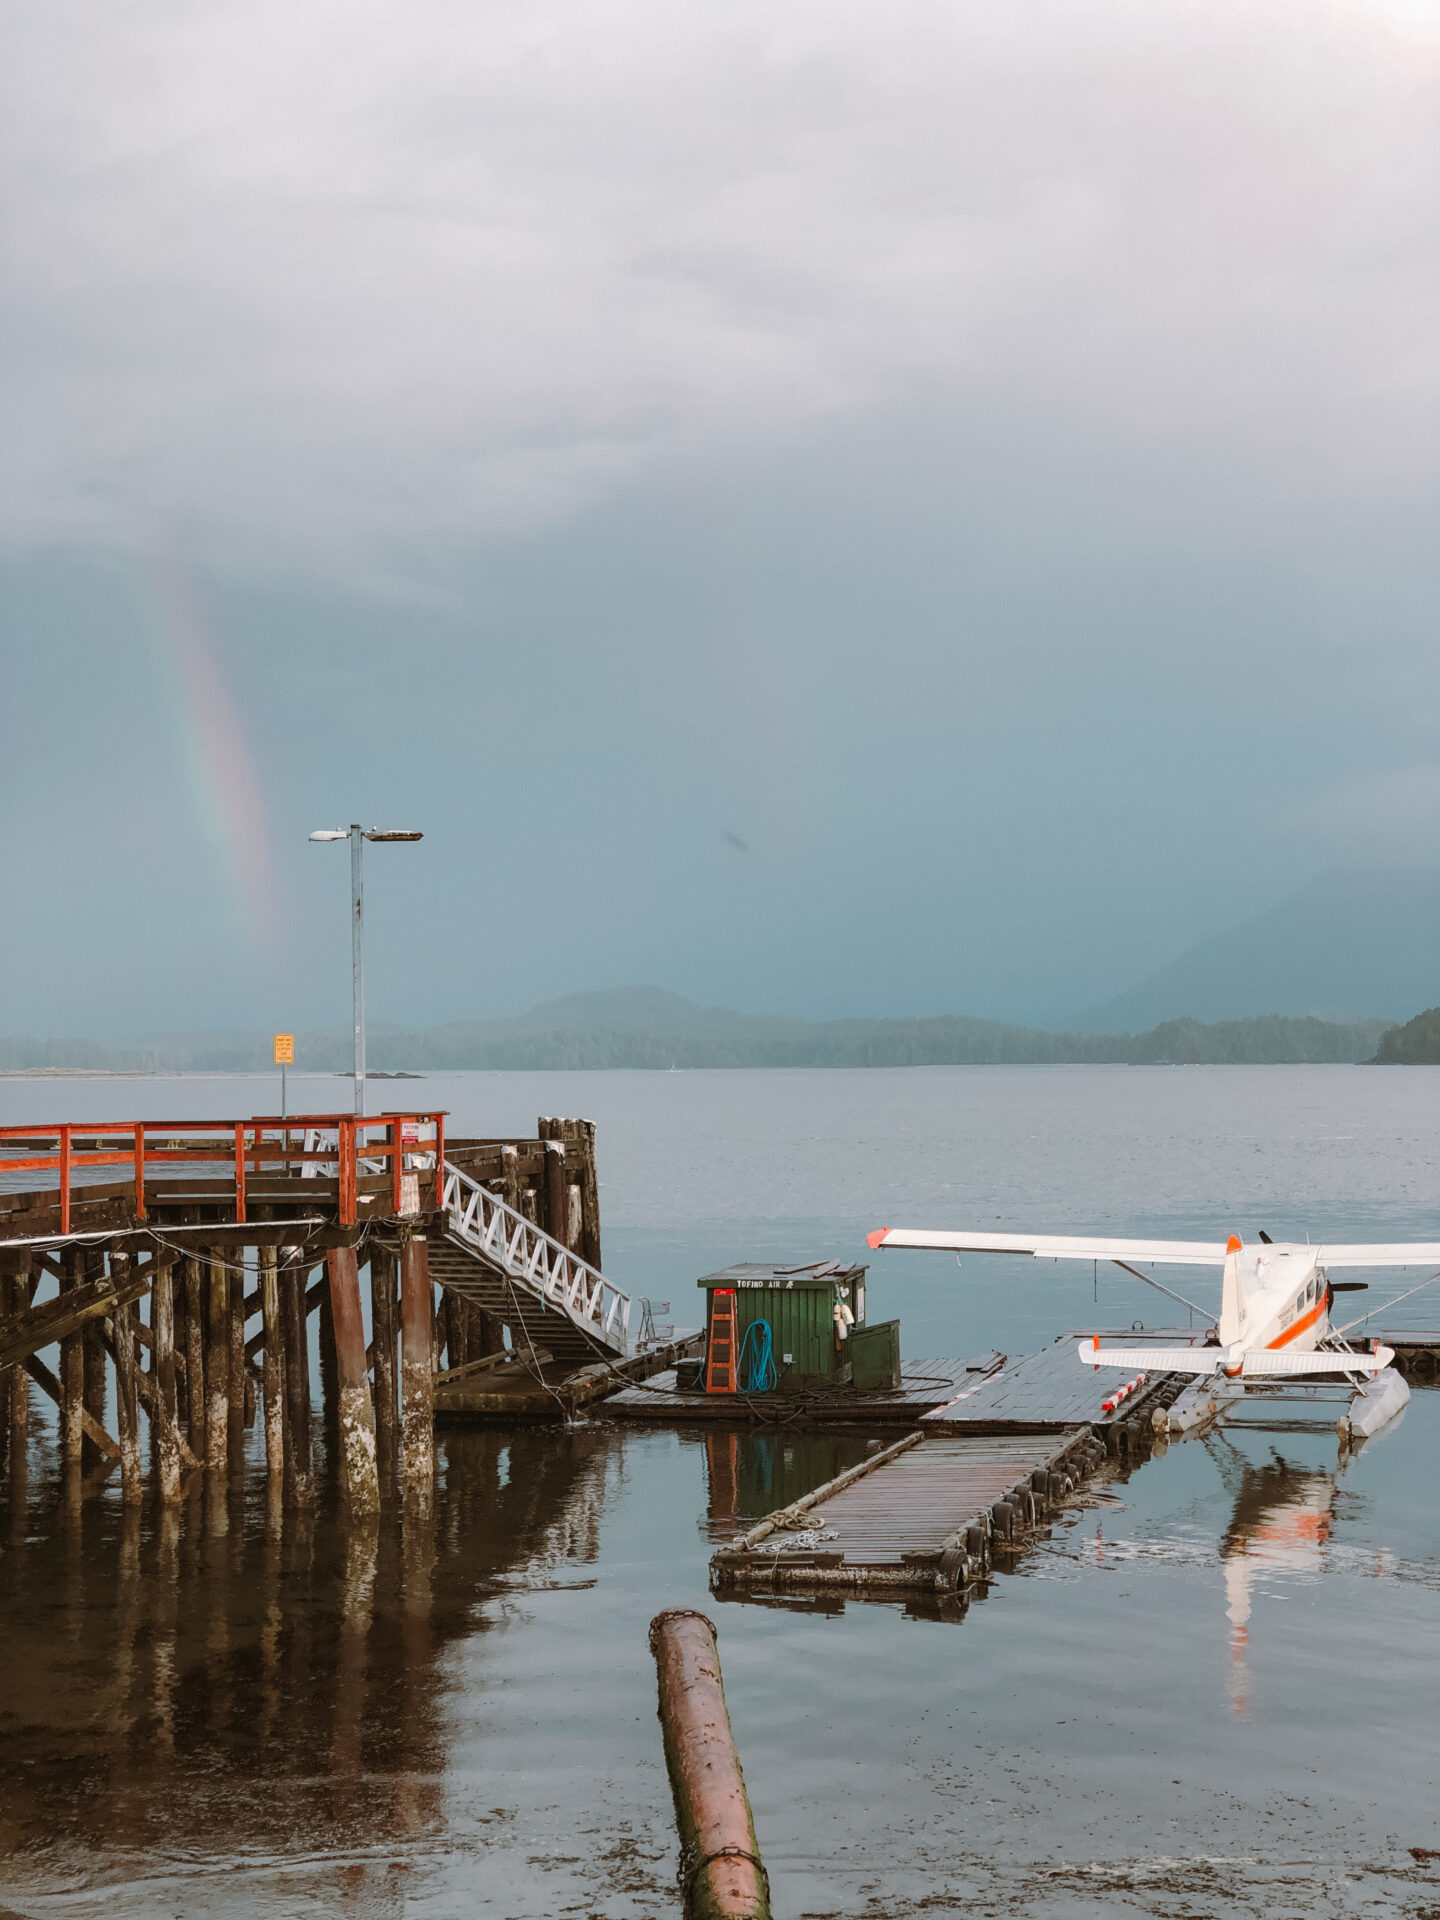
[{"x": 357, "y": 836}]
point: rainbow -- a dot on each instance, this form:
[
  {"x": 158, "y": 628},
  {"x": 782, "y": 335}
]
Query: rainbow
[{"x": 226, "y": 795}]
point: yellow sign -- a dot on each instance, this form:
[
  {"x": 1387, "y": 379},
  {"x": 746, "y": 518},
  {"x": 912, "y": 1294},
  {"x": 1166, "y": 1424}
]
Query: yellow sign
[{"x": 284, "y": 1049}]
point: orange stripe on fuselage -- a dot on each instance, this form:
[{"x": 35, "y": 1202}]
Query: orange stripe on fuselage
[{"x": 1300, "y": 1325}]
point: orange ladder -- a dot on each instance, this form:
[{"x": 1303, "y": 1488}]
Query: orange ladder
[{"x": 720, "y": 1350}]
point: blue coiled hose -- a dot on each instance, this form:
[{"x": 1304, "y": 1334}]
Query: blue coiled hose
[{"x": 755, "y": 1372}]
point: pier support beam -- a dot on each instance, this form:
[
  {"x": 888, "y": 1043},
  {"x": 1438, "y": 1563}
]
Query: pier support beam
[
  {"x": 17, "y": 1301},
  {"x": 300, "y": 1472},
  {"x": 357, "y": 1415},
  {"x": 557, "y": 1193},
  {"x": 417, "y": 1436},
  {"x": 195, "y": 1355},
  {"x": 72, "y": 1374},
  {"x": 382, "y": 1344},
  {"x": 273, "y": 1362},
  {"x": 91, "y": 1267},
  {"x": 162, "y": 1366},
  {"x": 217, "y": 1367},
  {"x": 127, "y": 1397}
]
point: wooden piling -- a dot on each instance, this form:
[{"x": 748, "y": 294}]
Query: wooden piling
[
  {"x": 217, "y": 1366},
  {"x": 329, "y": 1381},
  {"x": 162, "y": 1366},
  {"x": 273, "y": 1362},
  {"x": 127, "y": 1401},
  {"x": 382, "y": 1344},
  {"x": 18, "y": 1452},
  {"x": 195, "y": 1355},
  {"x": 417, "y": 1377},
  {"x": 356, "y": 1414},
  {"x": 721, "y": 1874},
  {"x": 557, "y": 1193},
  {"x": 72, "y": 1370},
  {"x": 299, "y": 1471},
  {"x": 92, "y": 1265},
  {"x": 241, "y": 1389}
]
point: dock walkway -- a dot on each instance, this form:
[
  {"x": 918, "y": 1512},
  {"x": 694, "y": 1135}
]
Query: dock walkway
[{"x": 928, "y": 1514}]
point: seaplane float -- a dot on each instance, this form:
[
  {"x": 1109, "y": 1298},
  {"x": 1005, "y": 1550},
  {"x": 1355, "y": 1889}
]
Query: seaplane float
[{"x": 1274, "y": 1327}]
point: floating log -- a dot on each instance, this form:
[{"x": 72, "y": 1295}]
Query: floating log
[
  {"x": 356, "y": 1413},
  {"x": 721, "y": 1873}
]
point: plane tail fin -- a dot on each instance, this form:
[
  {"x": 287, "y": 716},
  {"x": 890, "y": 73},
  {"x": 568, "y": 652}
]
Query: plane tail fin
[{"x": 1232, "y": 1294}]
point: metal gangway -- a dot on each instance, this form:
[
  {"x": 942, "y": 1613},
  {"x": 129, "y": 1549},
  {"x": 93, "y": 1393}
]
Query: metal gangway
[{"x": 493, "y": 1255}]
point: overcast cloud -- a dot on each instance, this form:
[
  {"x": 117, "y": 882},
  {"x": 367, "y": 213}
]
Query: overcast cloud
[{"x": 937, "y": 446}]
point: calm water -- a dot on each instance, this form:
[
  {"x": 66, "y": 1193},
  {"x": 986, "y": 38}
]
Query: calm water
[{"x": 1209, "y": 1692}]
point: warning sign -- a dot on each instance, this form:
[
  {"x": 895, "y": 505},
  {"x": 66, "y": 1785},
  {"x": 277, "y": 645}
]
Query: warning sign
[{"x": 284, "y": 1049}]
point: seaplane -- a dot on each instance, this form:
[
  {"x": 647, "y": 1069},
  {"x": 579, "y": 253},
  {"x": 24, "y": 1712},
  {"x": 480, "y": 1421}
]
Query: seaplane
[{"x": 1275, "y": 1298}]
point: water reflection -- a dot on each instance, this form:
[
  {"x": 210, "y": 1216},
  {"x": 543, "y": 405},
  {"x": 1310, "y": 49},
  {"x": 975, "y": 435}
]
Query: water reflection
[
  {"x": 1282, "y": 1518},
  {"x": 751, "y": 1471},
  {"x": 190, "y": 1689}
]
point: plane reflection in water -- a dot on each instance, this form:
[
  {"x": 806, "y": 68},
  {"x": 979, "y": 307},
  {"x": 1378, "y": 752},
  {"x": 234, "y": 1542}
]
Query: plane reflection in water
[{"x": 1283, "y": 1517}]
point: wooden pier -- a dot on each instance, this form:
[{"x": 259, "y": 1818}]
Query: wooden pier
[{"x": 178, "y": 1266}]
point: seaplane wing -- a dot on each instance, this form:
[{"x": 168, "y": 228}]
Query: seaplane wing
[
  {"x": 1199, "y": 1360},
  {"x": 1043, "y": 1246},
  {"x": 1381, "y": 1253}
]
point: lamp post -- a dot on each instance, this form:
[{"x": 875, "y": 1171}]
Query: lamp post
[{"x": 357, "y": 836}]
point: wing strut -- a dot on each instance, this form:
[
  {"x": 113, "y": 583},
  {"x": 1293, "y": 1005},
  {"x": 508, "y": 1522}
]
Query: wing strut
[
  {"x": 1385, "y": 1306},
  {"x": 1204, "y": 1312}
]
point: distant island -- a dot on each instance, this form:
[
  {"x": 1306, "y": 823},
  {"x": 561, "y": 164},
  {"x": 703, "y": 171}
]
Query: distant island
[
  {"x": 1416, "y": 1044},
  {"x": 652, "y": 1028}
]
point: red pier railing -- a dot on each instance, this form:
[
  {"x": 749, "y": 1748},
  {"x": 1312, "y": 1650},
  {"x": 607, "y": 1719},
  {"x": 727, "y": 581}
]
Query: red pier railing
[{"x": 263, "y": 1144}]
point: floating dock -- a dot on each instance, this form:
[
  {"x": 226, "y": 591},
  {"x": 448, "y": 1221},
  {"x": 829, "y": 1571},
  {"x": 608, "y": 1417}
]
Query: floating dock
[
  {"x": 929, "y": 1514},
  {"x": 924, "y": 1385}
]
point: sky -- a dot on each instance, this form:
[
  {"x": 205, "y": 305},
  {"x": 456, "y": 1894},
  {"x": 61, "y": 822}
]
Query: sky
[{"x": 829, "y": 509}]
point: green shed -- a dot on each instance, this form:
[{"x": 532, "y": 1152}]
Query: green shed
[{"x": 770, "y": 1328}]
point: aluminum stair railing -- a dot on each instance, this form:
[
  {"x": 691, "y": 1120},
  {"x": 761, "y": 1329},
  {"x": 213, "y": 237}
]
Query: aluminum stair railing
[{"x": 481, "y": 1223}]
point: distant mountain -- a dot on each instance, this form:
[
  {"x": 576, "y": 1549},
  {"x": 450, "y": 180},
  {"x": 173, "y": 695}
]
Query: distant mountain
[
  {"x": 1350, "y": 944},
  {"x": 1416, "y": 1044},
  {"x": 649, "y": 1027}
]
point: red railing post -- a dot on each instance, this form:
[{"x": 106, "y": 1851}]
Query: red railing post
[
  {"x": 139, "y": 1170},
  {"x": 64, "y": 1179},
  {"x": 240, "y": 1172},
  {"x": 439, "y": 1160},
  {"x": 345, "y": 1153}
]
